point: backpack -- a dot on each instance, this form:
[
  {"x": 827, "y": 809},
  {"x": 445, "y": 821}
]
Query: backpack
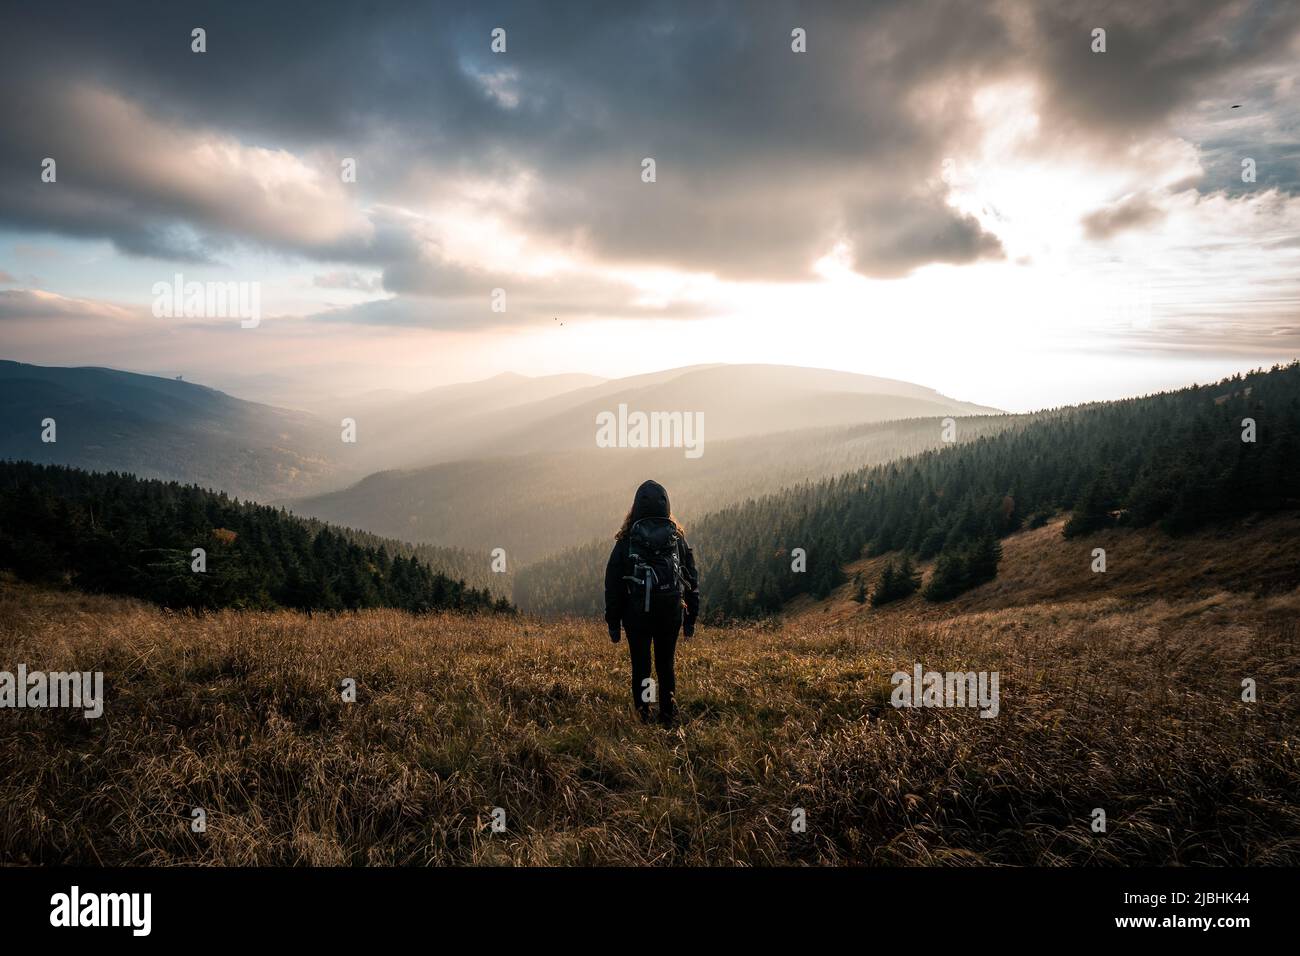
[{"x": 655, "y": 559}]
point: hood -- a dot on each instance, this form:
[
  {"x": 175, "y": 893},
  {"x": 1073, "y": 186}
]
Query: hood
[{"x": 651, "y": 501}]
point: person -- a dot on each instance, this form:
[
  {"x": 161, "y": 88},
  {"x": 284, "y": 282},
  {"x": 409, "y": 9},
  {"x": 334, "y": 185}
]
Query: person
[{"x": 652, "y": 589}]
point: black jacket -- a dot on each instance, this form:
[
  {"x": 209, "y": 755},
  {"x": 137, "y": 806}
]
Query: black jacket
[{"x": 651, "y": 502}]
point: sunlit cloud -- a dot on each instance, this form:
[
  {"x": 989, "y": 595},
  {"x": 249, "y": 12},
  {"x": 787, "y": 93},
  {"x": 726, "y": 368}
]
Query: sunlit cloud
[{"x": 949, "y": 192}]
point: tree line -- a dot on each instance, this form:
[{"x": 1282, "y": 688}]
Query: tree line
[{"x": 114, "y": 533}]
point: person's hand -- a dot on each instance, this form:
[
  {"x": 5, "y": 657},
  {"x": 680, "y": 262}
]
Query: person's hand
[{"x": 613, "y": 633}]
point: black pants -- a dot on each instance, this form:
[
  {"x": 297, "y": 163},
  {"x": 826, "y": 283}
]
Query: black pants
[{"x": 658, "y": 632}]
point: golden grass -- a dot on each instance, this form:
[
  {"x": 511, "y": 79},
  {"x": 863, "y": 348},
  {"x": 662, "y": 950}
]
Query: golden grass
[
  {"x": 1132, "y": 708},
  {"x": 1042, "y": 566}
]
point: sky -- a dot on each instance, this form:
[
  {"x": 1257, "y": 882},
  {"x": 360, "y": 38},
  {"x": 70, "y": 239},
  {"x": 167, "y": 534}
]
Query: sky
[{"x": 971, "y": 196}]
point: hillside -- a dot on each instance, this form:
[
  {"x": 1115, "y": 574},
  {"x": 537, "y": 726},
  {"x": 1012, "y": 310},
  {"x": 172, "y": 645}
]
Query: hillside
[
  {"x": 1214, "y": 567},
  {"x": 736, "y": 401},
  {"x": 154, "y": 427},
  {"x": 1176, "y": 460},
  {"x": 456, "y": 421},
  {"x": 1119, "y": 691},
  {"x": 538, "y": 504},
  {"x": 513, "y": 415},
  {"x": 1130, "y": 706},
  {"x": 108, "y": 420},
  {"x": 185, "y": 547}
]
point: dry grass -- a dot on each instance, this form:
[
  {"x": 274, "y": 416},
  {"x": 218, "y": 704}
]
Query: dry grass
[
  {"x": 1043, "y": 567},
  {"x": 1135, "y": 709}
]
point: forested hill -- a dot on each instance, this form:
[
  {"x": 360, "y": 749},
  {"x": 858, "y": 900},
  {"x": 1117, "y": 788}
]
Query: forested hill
[
  {"x": 1178, "y": 459},
  {"x": 124, "y": 535},
  {"x": 535, "y": 505}
]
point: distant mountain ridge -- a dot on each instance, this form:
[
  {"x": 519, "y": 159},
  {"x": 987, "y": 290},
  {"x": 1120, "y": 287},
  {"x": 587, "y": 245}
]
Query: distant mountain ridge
[
  {"x": 509, "y": 461},
  {"x": 531, "y": 479},
  {"x": 736, "y": 401},
  {"x": 153, "y": 427},
  {"x": 537, "y": 504}
]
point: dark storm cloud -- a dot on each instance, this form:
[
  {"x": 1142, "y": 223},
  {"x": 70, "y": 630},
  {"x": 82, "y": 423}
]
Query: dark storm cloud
[
  {"x": 1159, "y": 56},
  {"x": 765, "y": 158}
]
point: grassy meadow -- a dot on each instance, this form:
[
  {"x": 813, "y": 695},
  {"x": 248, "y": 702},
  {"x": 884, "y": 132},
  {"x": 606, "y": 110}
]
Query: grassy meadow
[{"x": 1131, "y": 705}]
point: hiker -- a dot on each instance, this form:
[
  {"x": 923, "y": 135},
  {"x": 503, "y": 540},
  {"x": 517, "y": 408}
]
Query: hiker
[{"x": 652, "y": 589}]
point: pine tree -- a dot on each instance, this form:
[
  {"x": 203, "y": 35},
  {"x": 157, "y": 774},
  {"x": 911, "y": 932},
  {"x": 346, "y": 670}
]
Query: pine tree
[
  {"x": 982, "y": 560},
  {"x": 1092, "y": 511},
  {"x": 909, "y": 576},
  {"x": 896, "y": 582},
  {"x": 949, "y": 577}
]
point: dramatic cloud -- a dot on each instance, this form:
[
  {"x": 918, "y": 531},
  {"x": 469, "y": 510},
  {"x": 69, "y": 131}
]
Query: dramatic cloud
[
  {"x": 913, "y": 141},
  {"x": 1159, "y": 57},
  {"x": 766, "y": 158},
  {"x": 168, "y": 192}
]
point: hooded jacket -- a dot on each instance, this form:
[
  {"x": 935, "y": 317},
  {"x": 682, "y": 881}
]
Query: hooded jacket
[{"x": 651, "y": 501}]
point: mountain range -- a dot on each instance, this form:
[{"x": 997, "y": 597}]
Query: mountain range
[{"x": 510, "y": 461}]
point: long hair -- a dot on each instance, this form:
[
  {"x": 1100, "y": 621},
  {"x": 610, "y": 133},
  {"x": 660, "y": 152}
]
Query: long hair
[{"x": 628, "y": 522}]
